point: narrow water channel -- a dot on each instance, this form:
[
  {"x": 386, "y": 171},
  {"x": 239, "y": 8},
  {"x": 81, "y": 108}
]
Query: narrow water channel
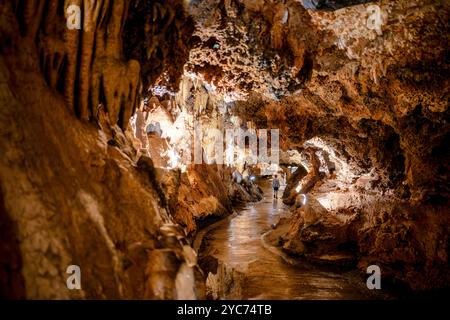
[{"x": 237, "y": 243}]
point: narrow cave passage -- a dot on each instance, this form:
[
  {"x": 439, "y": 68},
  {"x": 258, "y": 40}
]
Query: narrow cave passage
[
  {"x": 141, "y": 143},
  {"x": 251, "y": 266}
]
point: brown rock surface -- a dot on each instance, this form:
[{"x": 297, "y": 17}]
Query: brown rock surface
[
  {"x": 71, "y": 193},
  {"x": 363, "y": 110},
  {"x": 377, "y": 99}
]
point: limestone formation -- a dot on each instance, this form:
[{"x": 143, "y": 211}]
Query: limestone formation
[{"x": 98, "y": 130}]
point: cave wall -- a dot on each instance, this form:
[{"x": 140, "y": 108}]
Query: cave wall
[
  {"x": 391, "y": 105},
  {"x": 376, "y": 96},
  {"x": 244, "y": 47},
  {"x": 73, "y": 192},
  {"x": 109, "y": 59},
  {"x": 364, "y": 87}
]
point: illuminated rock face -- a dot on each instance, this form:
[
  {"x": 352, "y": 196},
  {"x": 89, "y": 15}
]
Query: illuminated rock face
[{"x": 374, "y": 90}]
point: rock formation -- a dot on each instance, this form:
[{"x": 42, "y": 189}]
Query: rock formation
[
  {"x": 375, "y": 95},
  {"x": 359, "y": 90},
  {"x": 72, "y": 193}
]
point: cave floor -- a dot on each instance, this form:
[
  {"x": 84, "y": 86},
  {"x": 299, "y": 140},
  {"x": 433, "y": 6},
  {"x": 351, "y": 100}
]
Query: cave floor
[{"x": 237, "y": 242}]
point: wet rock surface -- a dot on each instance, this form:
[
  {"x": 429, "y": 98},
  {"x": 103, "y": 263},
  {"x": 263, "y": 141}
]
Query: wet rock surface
[{"x": 249, "y": 270}]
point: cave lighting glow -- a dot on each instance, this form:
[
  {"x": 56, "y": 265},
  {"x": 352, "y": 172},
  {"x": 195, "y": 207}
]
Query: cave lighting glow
[
  {"x": 343, "y": 170},
  {"x": 304, "y": 198},
  {"x": 326, "y": 202}
]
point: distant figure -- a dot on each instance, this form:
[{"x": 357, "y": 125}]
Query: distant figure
[{"x": 275, "y": 186}]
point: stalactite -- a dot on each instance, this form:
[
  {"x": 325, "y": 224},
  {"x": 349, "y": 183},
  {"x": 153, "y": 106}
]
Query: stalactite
[
  {"x": 84, "y": 56},
  {"x": 91, "y": 14}
]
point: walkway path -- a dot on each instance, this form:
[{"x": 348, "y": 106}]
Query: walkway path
[{"x": 237, "y": 242}]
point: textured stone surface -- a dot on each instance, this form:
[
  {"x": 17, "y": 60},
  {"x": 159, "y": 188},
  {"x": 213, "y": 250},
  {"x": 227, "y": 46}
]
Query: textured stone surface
[
  {"x": 364, "y": 110},
  {"x": 72, "y": 193},
  {"x": 376, "y": 97}
]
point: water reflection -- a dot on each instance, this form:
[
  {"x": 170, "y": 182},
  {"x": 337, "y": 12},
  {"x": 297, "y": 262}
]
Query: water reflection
[
  {"x": 237, "y": 242},
  {"x": 275, "y": 204}
]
